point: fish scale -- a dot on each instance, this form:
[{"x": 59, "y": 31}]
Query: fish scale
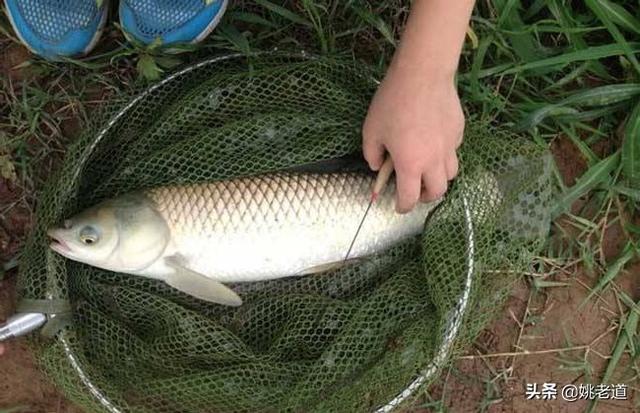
[{"x": 270, "y": 226}]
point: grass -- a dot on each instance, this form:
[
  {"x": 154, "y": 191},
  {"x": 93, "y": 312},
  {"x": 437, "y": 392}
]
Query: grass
[
  {"x": 16, "y": 409},
  {"x": 557, "y": 71}
]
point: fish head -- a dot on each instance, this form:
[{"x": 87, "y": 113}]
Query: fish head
[{"x": 125, "y": 234}]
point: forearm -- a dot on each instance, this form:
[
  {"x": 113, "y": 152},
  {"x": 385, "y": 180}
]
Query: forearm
[{"x": 433, "y": 37}]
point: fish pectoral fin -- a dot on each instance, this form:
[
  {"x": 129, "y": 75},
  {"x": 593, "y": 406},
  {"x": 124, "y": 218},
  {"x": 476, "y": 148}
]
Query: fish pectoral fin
[
  {"x": 200, "y": 286},
  {"x": 316, "y": 269}
]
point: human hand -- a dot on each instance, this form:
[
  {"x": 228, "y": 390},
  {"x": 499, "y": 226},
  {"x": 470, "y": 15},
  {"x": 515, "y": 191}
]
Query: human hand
[{"x": 417, "y": 118}]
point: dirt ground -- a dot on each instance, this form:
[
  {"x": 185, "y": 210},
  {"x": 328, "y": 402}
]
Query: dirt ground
[
  {"x": 542, "y": 336},
  {"x": 551, "y": 320},
  {"x": 23, "y": 388}
]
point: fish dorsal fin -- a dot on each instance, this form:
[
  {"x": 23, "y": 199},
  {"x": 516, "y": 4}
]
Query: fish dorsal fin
[{"x": 199, "y": 285}]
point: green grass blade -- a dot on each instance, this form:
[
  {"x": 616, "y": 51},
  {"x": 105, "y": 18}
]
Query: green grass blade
[
  {"x": 314, "y": 14},
  {"x": 579, "y": 143},
  {"x": 560, "y": 10},
  {"x": 375, "y": 21},
  {"x": 603, "y": 95},
  {"x": 16, "y": 409},
  {"x": 592, "y": 53},
  {"x": 628, "y": 301},
  {"x": 522, "y": 41},
  {"x": 251, "y": 18},
  {"x": 569, "y": 77},
  {"x": 588, "y": 115},
  {"x": 539, "y": 284},
  {"x": 284, "y": 12},
  {"x": 599, "y": 96},
  {"x": 604, "y": 15},
  {"x": 478, "y": 61},
  {"x": 232, "y": 35},
  {"x": 535, "y": 8},
  {"x": 625, "y": 339},
  {"x": 620, "y": 16},
  {"x": 628, "y": 192},
  {"x": 535, "y": 118},
  {"x": 631, "y": 148},
  {"x": 597, "y": 174},
  {"x": 612, "y": 271}
]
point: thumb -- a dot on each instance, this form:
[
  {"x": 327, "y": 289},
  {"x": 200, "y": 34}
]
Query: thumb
[{"x": 373, "y": 153}]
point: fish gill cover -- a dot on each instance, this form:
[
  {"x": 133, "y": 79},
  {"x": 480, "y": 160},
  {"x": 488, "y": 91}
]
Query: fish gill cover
[{"x": 356, "y": 339}]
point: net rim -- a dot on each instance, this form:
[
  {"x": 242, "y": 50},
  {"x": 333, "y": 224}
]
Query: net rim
[
  {"x": 451, "y": 330},
  {"x": 456, "y": 314}
]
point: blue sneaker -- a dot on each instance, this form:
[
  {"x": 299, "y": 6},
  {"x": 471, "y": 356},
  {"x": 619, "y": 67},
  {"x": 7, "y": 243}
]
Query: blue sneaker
[
  {"x": 57, "y": 28},
  {"x": 172, "y": 21}
]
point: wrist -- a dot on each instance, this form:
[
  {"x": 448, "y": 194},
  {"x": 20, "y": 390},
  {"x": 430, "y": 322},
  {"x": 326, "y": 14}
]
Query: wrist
[
  {"x": 423, "y": 70},
  {"x": 422, "y": 52}
]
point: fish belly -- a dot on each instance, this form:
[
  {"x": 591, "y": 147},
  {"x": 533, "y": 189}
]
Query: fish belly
[{"x": 274, "y": 226}]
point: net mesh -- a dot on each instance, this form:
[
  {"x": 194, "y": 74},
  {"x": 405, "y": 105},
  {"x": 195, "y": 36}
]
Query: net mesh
[{"x": 348, "y": 340}]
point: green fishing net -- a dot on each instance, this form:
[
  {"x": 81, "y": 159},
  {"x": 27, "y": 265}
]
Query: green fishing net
[{"x": 361, "y": 338}]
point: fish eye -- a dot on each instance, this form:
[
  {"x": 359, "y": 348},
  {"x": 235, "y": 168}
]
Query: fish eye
[{"x": 89, "y": 235}]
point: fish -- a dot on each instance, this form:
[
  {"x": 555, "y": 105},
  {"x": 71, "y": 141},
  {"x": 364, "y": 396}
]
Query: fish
[{"x": 199, "y": 237}]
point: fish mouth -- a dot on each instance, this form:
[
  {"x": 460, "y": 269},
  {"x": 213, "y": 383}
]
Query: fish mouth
[{"x": 57, "y": 243}]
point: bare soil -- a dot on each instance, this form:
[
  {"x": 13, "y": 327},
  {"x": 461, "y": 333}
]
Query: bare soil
[
  {"x": 22, "y": 385},
  {"x": 555, "y": 332}
]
